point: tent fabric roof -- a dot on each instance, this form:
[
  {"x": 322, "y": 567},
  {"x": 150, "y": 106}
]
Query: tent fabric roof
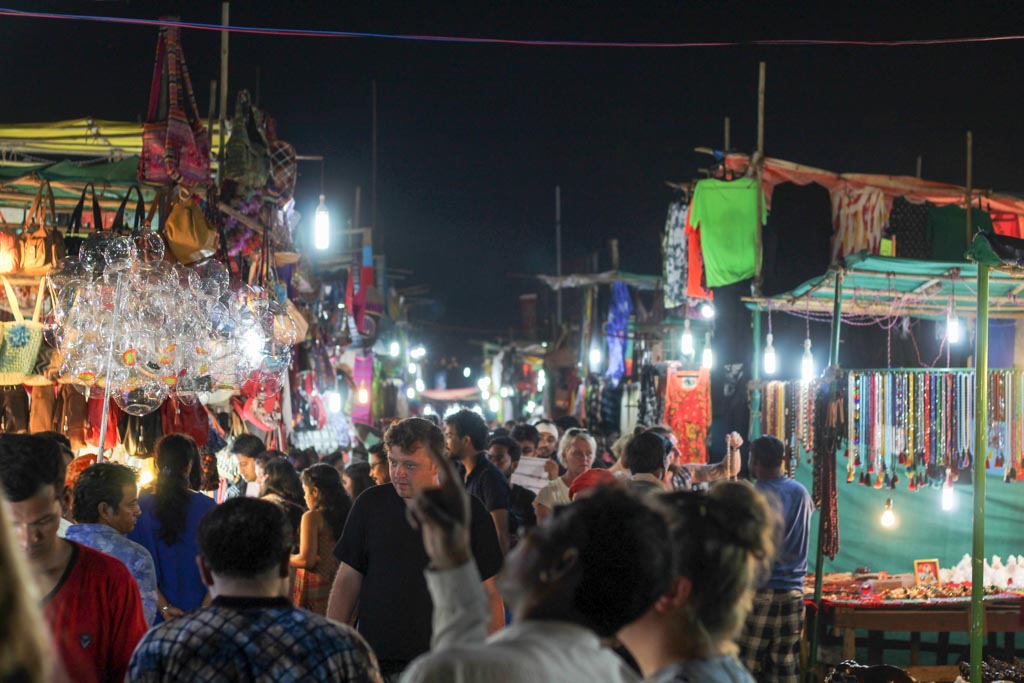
[
  {"x": 608, "y": 277},
  {"x": 881, "y": 286},
  {"x": 18, "y": 185},
  {"x": 77, "y": 137},
  {"x": 913, "y": 189}
]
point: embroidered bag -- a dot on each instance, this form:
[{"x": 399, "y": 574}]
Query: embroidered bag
[
  {"x": 175, "y": 143},
  {"x": 22, "y": 338}
]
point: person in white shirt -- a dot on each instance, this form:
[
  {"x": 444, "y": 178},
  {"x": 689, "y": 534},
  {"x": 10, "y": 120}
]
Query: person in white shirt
[{"x": 593, "y": 568}]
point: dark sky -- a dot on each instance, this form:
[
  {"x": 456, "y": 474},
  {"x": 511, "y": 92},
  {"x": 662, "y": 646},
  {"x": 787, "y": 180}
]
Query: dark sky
[{"x": 473, "y": 138}]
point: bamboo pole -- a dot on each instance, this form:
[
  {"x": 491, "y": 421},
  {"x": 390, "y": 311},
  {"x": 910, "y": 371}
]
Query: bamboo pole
[
  {"x": 980, "y": 449},
  {"x": 759, "y": 174},
  {"x": 225, "y": 13},
  {"x": 970, "y": 183},
  {"x": 755, "y": 376},
  {"x": 728, "y": 136}
]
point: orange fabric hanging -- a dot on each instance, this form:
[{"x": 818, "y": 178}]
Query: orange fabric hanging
[{"x": 688, "y": 411}]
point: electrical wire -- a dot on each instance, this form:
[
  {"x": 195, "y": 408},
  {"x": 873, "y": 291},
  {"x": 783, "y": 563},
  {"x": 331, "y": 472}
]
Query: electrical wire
[{"x": 324, "y": 33}]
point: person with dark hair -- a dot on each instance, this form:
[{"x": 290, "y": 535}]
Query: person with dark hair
[
  {"x": 68, "y": 455},
  {"x": 646, "y": 457},
  {"x": 378, "y": 461},
  {"x": 465, "y": 435},
  {"x": 770, "y": 642},
  {"x": 722, "y": 543},
  {"x": 169, "y": 524},
  {"x": 245, "y": 448},
  {"x": 504, "y": 453},
  {"x": 382, "y": 556},
  {"x": 250, "y": 631},
  {"x": 106, "y": 507},
  {"x": 280, "y": 485},
  {"x": 682, "y": 476},
  {"x": 547, "y": 442},
  {"x": 594, "y": 568},
  {"x": 528, "y": 439},
  {"x": 315, "y": 564},
  {"x": 357, "y": 479},
  {"x": 91, "y": 602}
]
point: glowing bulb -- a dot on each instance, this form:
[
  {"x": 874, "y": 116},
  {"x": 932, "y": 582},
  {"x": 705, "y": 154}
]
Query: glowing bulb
[
  {"x": 478, "y": 410},
  {"x": 770, "y": 361},
  {"x": 807, "y": 362},
  {"x": 542, "y": 379},
  {"x": 428, "y": 410},
  {"x": 707, "y": 311},
  {"x": 531, "y": 406},
  {"x": 493, "y": 404},
  {"x": 410, "y": 393},
  {"x": 418, "y": 352},
  {"x": 686, "y": 341},
  {"x": 413, "y": 368},
  {"x": 948, "y": 498},
  {"x": 466, "y": 372},
  {"x": 322, "y": 227},
  {"x": 145, "y": 476},
  {"x": 888, "y": 516},
  {"x": 595, "y": 358},
  {"x": 333, "y": 401},
  {"x": 505, "y": 392},
  {"x": 363, "y": 395},
  {"x": 707, "y": 360},
  {"x": 394, "y": 349},
  {"x": 952, "y": 329},
  {"x": 420, "y": 386},
  {"x": 483, "y": 383}
]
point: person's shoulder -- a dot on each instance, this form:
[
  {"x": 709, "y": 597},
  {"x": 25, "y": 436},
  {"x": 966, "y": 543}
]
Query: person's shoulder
[
  {"x": 101, "y": 567},
  {"x": 329, "y": 635},
  {"x": 381, "y": 494},
  {"x": 201, "y": 501}
]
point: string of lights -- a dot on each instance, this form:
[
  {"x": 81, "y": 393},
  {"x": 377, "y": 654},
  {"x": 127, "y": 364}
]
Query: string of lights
[{"x": 324, "y": 33}]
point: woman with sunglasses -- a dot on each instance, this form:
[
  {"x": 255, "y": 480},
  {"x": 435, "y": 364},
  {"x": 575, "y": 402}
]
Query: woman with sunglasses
[{"x": 576, "y": 453}]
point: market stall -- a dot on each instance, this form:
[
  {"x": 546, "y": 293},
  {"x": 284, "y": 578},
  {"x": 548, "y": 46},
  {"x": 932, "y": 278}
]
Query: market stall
[{"x": 909, "y": 432}]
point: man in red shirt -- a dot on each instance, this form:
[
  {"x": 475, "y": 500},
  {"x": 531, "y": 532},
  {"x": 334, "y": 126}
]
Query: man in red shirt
[{"x": 90, "y": 600}]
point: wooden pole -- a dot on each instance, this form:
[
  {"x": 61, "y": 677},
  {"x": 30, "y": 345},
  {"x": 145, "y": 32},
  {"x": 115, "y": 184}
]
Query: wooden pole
[
  {"x": 558, "y": 254},
  {"x": 970, "y": 183},
  {"x": 918, "y": 165},
  {"x": 755, "y": 376},
  {"x": 728, "y": 142},
  {"x": 613, "y": 250},
  {"x": 225, "y": 12},
  {"x": 759, "y": 174},
  {"x": 373, "y": 161},
  {"x": 980, "y": 449}
]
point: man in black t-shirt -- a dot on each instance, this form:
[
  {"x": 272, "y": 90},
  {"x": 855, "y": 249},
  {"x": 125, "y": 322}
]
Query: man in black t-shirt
[
  {"x": 382, "y": 556},
  {"x": 504, "y": 453},
  {"x": 465, "y": 435}
]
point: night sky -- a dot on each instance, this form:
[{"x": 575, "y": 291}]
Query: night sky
[{"x": 474, "y": 138}]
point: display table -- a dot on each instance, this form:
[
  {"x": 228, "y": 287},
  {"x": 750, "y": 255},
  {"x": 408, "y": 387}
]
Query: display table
[{"x": 1003, "y": 613}]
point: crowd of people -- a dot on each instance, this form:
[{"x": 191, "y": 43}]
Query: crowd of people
[{"x": 422, "y": 560}]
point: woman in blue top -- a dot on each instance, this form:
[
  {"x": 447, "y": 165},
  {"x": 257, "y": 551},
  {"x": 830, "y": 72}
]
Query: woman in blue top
[
  {"x": 169, "y": 525},
  {"x": 723, "y": 544}
]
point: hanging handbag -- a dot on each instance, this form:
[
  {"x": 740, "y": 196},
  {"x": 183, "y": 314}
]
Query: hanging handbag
[
  {"x": 10, "y": 248},
  {"x": 188, "y": 234},
  {"x": 72, "y": 416},
  {"x": 22, "y": 338},
  {"x": 246, "y": 160},
  {"x": 74, "y": 238},
  {"x": 139, "y": 434},
  {"x": 42, "y": 413},
  {"x": 175, "y": 143},
  {"x": 42, "y": 245},
  {"x": 180, "y": 418}
]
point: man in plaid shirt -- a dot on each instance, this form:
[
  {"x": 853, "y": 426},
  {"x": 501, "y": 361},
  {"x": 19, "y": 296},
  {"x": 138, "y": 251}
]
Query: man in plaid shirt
[
  {"x": 251, "y": 631},
  {"x": 770, "y": 643}
]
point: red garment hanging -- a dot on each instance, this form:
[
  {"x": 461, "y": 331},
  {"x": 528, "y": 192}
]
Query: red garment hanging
[
  {"x": 688, "y": 411},
  {"x": 695, "y": 287}
]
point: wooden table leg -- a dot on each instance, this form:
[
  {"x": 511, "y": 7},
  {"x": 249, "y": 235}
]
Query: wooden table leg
[
  {"x": 915, "y": 649},
  {"x": 849, "y": 643},
  {"x": 876, "y": 647},
  {"x": 942, "y": 652}
]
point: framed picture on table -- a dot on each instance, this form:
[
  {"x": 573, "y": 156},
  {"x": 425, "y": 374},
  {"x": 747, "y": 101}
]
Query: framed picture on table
[{"x": 926, "y": 572}]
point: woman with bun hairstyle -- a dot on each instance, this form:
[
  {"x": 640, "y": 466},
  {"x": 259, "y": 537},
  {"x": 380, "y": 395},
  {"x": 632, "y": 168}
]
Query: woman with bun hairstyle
[
  {"x": 169, "y": 527},
  {"x": 723, "y": 544}
]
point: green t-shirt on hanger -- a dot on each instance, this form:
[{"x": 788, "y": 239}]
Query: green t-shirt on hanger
[
  {"x": 947, "y": 231},
  {"x": 725, "y": 212}
]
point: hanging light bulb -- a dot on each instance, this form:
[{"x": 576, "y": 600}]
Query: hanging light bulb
[
  {"x": 420, "y": 385},
  {"x": 493, "y": 404},
  {"x": 394, "y": 349},
  {"x": 948, "y": 498},
  {"x": 410, "y": 393},
  {"x": 363, "y": 395},
  {"x": 952, "y": 329},
  {"x": 707, "y": 359},
  {"x": 483, "y": 383},
  {"x": 413, "y": 368},
  {"x": 770, "y": 360},
  {"x": 428, "y": 409},
  {"x": 707, "y": 311},
  {"x": 888, "y": 516},
  {"x": 542, "y": 379},
  {"x": 322, "y": 227},
  {"x": 595, "y": 359},
  {"x": 466, "y": 372},
  {"x": 333, "y": 401},
  {"x": 807, "y": 362},
  {"x": 686, "y": 341}
]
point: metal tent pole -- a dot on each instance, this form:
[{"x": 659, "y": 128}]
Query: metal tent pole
[
  {"x": 110, "y": 362},
  {"x": 755, "y": 377},
  {"x": 980, "y": 448},
  {"x": 819, "y": 569}
]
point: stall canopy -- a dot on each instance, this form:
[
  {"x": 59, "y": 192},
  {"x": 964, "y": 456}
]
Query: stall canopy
[
  {"x": 637, "y": 280},
  {"x": 18, "y": 184},
  {"x": 85, "y": 137},
  {"x": 889, "y": 287}
]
